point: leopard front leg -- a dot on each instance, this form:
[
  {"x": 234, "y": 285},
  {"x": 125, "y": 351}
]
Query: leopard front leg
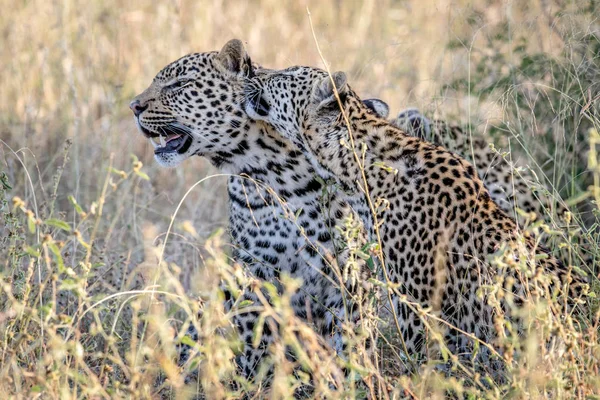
[{"x": 253, "y": 351}]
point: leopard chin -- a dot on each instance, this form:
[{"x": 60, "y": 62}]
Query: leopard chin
[{"x": 170, "y": 159}]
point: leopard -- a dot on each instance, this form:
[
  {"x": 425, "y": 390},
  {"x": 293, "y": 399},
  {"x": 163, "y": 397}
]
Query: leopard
[
  {"x": 438, "y": 227},
  {"x": 282, "y": 213},
  {"x": 511, "y": 187},
  {"x": 515, "y": 187}
]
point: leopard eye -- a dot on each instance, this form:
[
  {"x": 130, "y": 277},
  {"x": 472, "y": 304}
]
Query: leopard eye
[{"x": 178, "y": 84}]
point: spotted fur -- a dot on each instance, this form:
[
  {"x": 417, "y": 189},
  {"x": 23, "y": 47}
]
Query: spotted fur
[
  {"x": 510, "y": 188},
  {"x": 282, "y": 216},
  {"x": 441, "y": 227}
]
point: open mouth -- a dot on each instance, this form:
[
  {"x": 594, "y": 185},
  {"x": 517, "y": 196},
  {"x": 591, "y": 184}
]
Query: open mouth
[{"x": 171, "y": 138}]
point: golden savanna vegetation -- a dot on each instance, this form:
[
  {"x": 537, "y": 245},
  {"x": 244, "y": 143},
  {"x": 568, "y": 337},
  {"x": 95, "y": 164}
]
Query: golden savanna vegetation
[{"x": 105, "y": 256}]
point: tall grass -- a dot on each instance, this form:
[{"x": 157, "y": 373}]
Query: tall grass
[{"x": 94, "y": 294}]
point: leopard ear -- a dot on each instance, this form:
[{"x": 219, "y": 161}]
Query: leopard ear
[
  {"x": 414, "y": 123},
  {"x": 379, "y": 107},
  {"x": 324, "y": 94},
  {"x": 234, "y": 59}
]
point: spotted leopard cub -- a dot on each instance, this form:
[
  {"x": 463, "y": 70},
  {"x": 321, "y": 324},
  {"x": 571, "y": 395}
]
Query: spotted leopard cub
[
  {"x": 439, "y": 226},
  {"x": 509, "y": 188}
]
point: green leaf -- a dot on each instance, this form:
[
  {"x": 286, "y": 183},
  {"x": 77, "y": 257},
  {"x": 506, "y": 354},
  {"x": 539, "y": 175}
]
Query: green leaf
[
  {"x": 4, "y": 181},
  {"x": 364, "y": 254},
  {"x": 119, "y": 172},
  {"x": 188, "y": 341},
  {"x": 258, "y": 331},
  {"x": 194, "y": 364},
  {"x": 31, "y": 225},
  {"x": 236, "y": 345},
  {"x": 57, "y": 223},
  {"x": 68, "y": 284},
  {"x": 59, "y": 260},
  {"x": 32, "y": 251},
  {"x": 77, "y": 206},
  {"x": 385, "y": 167},
  {"x": 579, "y": 270},
  {"x": 82, "y": 242},
  {"x": 270, "y": 288},
  {"x": 371, "y": 264},
  {"x": 46, "y": 310},
  {"x": 142, "y": 175},
  {"x": 245, "y": 303}
]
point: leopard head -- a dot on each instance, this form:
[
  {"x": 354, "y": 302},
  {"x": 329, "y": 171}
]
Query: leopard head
[
  {"x": 194, "y": 106},
  {"x": 296, "y": 99}
]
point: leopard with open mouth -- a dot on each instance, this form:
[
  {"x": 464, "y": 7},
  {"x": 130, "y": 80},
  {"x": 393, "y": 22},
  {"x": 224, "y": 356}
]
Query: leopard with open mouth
[{"x": 282, "y": 215}]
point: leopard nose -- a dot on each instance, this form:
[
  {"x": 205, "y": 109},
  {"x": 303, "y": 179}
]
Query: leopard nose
[{"x": 137, "y": 107}]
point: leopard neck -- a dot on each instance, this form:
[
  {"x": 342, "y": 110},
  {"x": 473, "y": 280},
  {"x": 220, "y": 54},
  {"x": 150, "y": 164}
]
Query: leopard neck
[
  {"x": 374, "y": 147},
  {"x": 258, "y": 153}
]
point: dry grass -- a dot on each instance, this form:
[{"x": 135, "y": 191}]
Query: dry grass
[{"x": 83, "y": 223}]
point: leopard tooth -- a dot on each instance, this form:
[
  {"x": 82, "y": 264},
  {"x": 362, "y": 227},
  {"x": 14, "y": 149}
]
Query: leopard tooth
[{"x": 163, "y": 143}]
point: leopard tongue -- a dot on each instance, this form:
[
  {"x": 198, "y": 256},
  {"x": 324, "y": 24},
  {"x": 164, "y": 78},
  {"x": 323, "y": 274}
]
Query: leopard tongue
[
  {"x": 171, "y": 137},
  {"x": 164, "y": 140}
]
